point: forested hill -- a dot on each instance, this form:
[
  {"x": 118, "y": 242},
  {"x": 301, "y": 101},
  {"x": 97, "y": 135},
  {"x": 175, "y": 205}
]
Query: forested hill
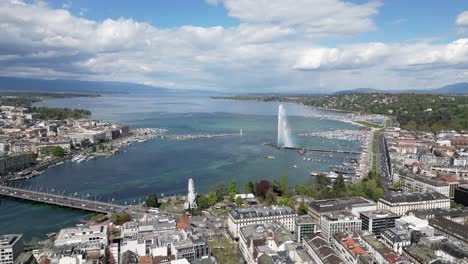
[{"x": 412, "y": 111}]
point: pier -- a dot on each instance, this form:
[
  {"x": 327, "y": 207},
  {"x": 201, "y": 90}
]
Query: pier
[
  {"x": 63, "y": 201},
  {"x": 193, "y": 137},
  {"x": 315, "y": 150}
]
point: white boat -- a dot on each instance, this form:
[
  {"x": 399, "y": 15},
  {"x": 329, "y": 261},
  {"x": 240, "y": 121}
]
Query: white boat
[
  {"x": 80, "y": 160},
  {"x": 77, "y": 158}
]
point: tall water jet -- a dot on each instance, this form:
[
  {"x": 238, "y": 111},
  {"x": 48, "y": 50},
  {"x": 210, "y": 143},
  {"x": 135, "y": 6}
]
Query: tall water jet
[{"x": 284, "y": 131}]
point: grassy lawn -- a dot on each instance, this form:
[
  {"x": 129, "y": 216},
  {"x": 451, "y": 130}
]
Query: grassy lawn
[{"x": 225, "y": 251}]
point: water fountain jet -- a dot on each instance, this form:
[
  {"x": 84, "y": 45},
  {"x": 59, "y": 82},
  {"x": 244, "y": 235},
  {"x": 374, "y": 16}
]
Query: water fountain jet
[{"x": 284, "y": 131}]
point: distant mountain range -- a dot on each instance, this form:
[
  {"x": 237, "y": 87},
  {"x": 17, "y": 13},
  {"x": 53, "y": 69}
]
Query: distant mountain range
[
  {"x": 73, "y": 86},
  {"x": 97, "y": 87},
  {"x": 458, "y": 89}
]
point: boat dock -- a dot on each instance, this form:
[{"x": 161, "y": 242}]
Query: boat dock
[
  {"x": 193, "y": 137},
  {"x": 315, "y": 150}
]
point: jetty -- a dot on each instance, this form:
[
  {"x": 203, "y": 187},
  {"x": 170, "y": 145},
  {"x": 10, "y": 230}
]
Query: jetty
[
  {"x": 314, "y": 149},
  {"x": 193, "y": 137}
]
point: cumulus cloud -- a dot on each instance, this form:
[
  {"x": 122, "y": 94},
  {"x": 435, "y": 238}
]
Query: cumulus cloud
[
  {"x": 314, "y": 18},
  {"x": 462, "y": 22},
  {"x": 271, "y": 49},
  {"x": 462, "y": 19},
  {"x": 391, "y": 56}
]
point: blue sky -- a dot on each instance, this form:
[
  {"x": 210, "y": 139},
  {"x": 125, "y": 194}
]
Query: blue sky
[
  {"x": 398, "y": 20},
  {"x": 237, "y": 45}
]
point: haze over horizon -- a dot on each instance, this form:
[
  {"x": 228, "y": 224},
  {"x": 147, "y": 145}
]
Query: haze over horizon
[{"x": 239, "y": 46}]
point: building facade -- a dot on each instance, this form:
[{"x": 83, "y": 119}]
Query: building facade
[
  {"x": 305, "y": 225},
  {"x": 13, "y": 163},
  {"x": 334, "y": 223},
  {"x": 240, "y": 217},
  {"x": 401, "y": 204},
  {"x": 377, "y": 221},
  {"x": 461, "y": 195},
  {"x": 355, "y": 205},
  {"x": 11, "y": 246}
]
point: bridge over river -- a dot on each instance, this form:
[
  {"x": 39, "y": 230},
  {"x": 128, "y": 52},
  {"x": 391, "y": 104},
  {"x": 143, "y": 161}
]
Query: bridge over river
[{"x": 63, "y": 201}]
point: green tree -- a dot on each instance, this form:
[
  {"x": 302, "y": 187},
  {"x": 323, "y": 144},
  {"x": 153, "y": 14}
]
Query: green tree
[
  {"x": 302, "y": 210},
  {"x": 339, "y": 187},
  {"x": 212, "y": 198},
  {"x": 322, "y": 181},
  {"x": 232, "y": 187},
  {"x": 32, "y": 156},
  {"x": 270, "y": 197},
  {"x": 57, "y": 151},
  {"x": 218, "y": 190},
  {"x": 249, "y": 187},
  {"x": 284, "y": 185},
  {"x": 202, "y": 202},
  {"x": 286, "y": 201},
  {"x": 239, "y": 201},
  {"x": 120, "y": 219},
  {"x": 152, "y": 200}
]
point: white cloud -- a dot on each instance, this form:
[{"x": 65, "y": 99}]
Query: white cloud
[
  {"x": 391, "y": 56},
  {"x": 268, "y": 50},
  {"x": 314, "y": 18},
  {"x": 462, "y": 22},
  {"x": 462, "y": 19}
]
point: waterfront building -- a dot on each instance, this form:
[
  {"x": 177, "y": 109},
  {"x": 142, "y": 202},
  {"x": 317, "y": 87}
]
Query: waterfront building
[
  {"x": 83, "y": 237},
  {"x": 36, "y": 147},
  {"x": 458, "y": 215},
  {"x": 355, "y": 205},
  {"x": 14, "y": 163},
  {"x": 241, "y": 217},
  {"x": 349, "y": 247},
  {"x": 259, "y": 239},
  {"x": 321, "y": 252},
  {"x": 305, "y": 225},
  {"x": 450, "y": 229},
  {"x": 338, "y": 222},
  {"x": 11, "y": 246},
  {"x": 461, "y": 195},
  {"x": 396, "y": 239},
  {"x": 377, "y": 221},
  {"x": 26, "y": 258},
  {"x": 402, "y": 203}
]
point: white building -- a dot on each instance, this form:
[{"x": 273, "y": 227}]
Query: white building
[
  {"x": 11, "y": 246},
  {"x": 423, "y": 184},
  {"x": 240, "y": 217},
  {"x": 95, "y": 236},
  {"x": 412, "y": 223},
  {"x": 402, "y": 203},
  {"x": 340, "y": 222}
]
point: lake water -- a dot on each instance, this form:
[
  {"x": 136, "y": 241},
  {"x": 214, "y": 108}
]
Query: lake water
[{"x": 164, "y": 166}]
